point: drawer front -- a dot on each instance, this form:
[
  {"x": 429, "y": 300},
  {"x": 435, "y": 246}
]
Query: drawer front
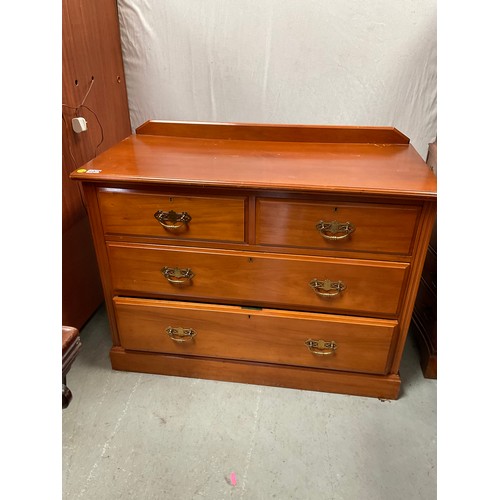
[
  {"x": 133, "y": 213},
  {"x": 370, "y": 287},
  {"x": 269, "y": 336},
  {"x": 373, "y": 228}
]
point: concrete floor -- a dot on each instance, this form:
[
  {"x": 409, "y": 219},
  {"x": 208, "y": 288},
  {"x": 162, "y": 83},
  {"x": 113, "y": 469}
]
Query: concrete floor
[{"x": 138, "y": 436}]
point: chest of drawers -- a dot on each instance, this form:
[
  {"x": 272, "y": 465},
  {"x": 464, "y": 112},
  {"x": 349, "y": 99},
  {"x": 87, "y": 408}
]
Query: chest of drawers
[{"x": 270, "y": 254}]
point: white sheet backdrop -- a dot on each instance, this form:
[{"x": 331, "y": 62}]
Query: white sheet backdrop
[{"x": 337, "y": 62}]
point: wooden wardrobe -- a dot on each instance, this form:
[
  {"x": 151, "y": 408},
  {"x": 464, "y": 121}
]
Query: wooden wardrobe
[{"x": 93, "y": 87}]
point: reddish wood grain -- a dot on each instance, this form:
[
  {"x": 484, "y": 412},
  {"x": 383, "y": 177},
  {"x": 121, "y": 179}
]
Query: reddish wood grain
[
  {"x": 275, "y": 132},
  {"x": 91, "y": 55},
  {"x": 255, "y": 335},
  {"x": 342, "y": 168},
  {"x": 273, "y": 187},
  {"x": 372, "y": 288},
  {"x": 378, "y": 386}
]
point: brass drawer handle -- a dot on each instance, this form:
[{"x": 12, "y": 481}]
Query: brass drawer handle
[
  {"x": 329, "y": 230},
  {"x": 321, "y": 347},
  {"x": 180, "y": 334},
  {"x": 177, "y": 276},
  {"x": 327, "y": 288},
  {"x": 170, "y": 220}
]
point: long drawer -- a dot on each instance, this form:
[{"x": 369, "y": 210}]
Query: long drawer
[
  {"x": 270, "y": 336},
  {"x": 172, "y": 216},
  {"x": 362, "y": 227},
  {"x": 312, "y": 283}
]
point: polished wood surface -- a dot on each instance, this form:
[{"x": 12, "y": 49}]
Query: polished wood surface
[
  {"x": 296, "y": 377},
  {"x": 252, "y": 250},
  {"x": 91, "y": 56},
  {"x": 71, "y": 346},
  {"x": 255, "y": 335},
  {"x": 212, "y": 218},
  {"x": 378, "y": 228},
  {"x": 81, "y": 287},
  {"x": 320, "y": 167},
  {"x": 424, "y": 319},
  {"x": 275, "y": 132},
  {"x": 92, "y": 59},
  {"x": 372, "y": 288}
]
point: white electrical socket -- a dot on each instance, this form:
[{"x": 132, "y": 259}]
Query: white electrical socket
[{"x": 79, "y": 124}]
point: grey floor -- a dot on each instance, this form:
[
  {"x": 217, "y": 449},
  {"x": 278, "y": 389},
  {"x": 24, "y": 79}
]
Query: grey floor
[{"x": 139, "y": 436}]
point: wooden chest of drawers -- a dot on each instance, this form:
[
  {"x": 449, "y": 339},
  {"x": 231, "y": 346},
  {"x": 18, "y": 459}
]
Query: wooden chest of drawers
[{"x": 268, "y": 254}]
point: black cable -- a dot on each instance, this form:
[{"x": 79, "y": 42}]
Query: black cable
[
  {"x": 75, "y": 164},
  {"x": 69, "y": 141},
  {"x": 77, "y": 113},
  {"x": 100, "y": 126}
]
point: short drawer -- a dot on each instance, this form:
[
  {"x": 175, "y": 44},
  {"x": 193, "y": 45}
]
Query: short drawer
[
  {"x": 352, "y": 227},
  {"x": 270, "y": 336},
  {"x": 312, "y": 283},
  {"x": 172, "y": 216}
]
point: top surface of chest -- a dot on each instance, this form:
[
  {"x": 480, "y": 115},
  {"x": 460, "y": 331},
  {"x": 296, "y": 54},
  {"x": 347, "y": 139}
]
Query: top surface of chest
[{"x": 350, "y": 160}]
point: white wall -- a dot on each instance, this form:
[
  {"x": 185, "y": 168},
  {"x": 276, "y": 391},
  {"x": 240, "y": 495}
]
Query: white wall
[{"x": 357, "y": 62}]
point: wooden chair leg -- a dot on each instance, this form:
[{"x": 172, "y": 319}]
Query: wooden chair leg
[
  {"x": 70, "y": 347},
  {"x": 66, "y": 394}
]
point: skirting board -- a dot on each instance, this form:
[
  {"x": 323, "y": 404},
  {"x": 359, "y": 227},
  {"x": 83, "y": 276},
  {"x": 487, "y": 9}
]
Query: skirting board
[{"x": 381, "y": 386}]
